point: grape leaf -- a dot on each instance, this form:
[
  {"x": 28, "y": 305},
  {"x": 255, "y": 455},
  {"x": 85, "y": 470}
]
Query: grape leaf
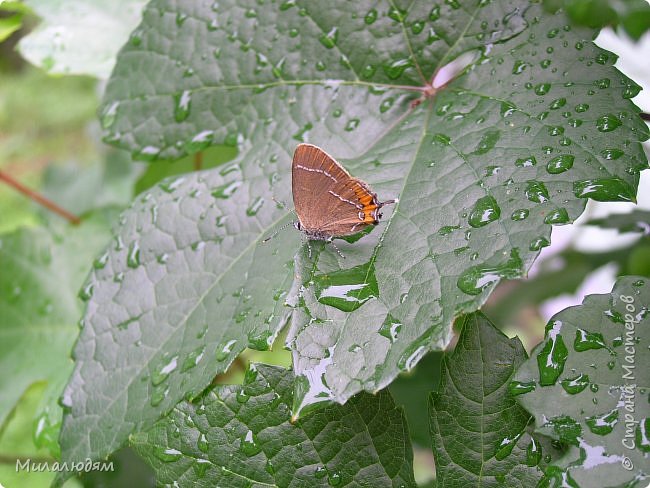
[
  {"x": 634, "y": 221},
  {"x": 587, "y": 384},
  {"x": 539, "y": 122},
  {"x": 242, "y": 436},
  {"x": 480, "y": 434},
  {"x": 42, "y": 271},
  {"x": 80, "y": 36}
]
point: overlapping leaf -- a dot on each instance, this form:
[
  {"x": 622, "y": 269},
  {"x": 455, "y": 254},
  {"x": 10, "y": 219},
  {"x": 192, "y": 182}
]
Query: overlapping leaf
[
  {"x": 242, "y": 436},
  {"x": 587, "y": 384},
  {"x": 482, "y": 168},
  {"x": 42, "y": 271},
  {"x": 480, "y": 434},
  {"x": 80, "y": 36}
]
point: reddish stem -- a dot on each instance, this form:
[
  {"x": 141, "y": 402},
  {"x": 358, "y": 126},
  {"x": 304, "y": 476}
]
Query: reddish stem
[
  {"x": 40, "y": 199},
  {"x": 198, "y": 161}
]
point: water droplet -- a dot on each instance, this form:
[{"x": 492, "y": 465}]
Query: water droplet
[
  {"x": 588, "y": 340},
  {"x": 158, "y": 395},
  {"x": 519, "y": 67},
  {"x": 390, "y": 328},
  {"x": 576, "y": 384},
  {"x": 411, "y": 356},
  {"x": 604, "y": 190},
  {"x": 533, "y": 452},
  {"x": 201, "y": 467},
  {"x": 536, "y": 192},
  {"x": 370, "y": 17},
  {"x": 182, "y": 103},
  {"x": 443, "y": 139},
  {"x": 347, "y": 289},
  {"x": 133, "y": 257},
  {"x": 487, "y": 142},
  {"x": 169, "y": 364},
  {"x": 608, "y": 123},
  {"x": 249, "y": 444},
  {"x": 255, "y": 207},
  {"x": 395, "y": 69},
  {"x": 224, "y": 350},
  {"x": 434, "y": 14},
  {"x": 171, "y": 184},
  {"x": 329, "y": 40},
  {"x": 538, "y": 243},
  {"x": 582, "y": 107},
  {"x": 560, "y": 164},
  {"x": 526, "y": 162},
  {"x": 352, "y": 124},
  {"x": 166, "y": 454},
  {"x": 260, "y": 342},
  {"x": 477, "y": 278},
  {"x": 542, "y": 88},
  {"x": 485, "y": 210},
  {"x": 199, "y": 142},
  {"x": 520, "y": 214},
  {"x": 386, "y": 104},
  {"x": 551, "y": 358},
  {"x": 109, "y": 113},
  {"x": 611, "y": 153},
  {"x": 147, "y": 153},
  {"x": 192, "y": 359},
  {"x": 602, "y": 58},
  {"x": 226, "y": 190},
  {"x": 558, "y": 216},
  {"x": 101, "y": 261},
  {"x": 559, "y": 103},
  {"x": 396, "y": 14},
  {"x": 417, "y": 27},
  {"x": 334, "y": 479},
  {"x": 520, "y": 387},
  {"x": 604, "y": 423},
  {"x": 504, "y": 449}
]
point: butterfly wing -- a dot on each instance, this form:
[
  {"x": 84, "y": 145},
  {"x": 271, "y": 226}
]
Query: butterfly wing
[
  {"x": 315, "y": 175},
  {"x": 328, "y": 201}
]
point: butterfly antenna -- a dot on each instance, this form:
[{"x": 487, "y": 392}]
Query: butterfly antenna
[
  {"x": 388, "y": 202},
  {"x": 278, "y": 231}
]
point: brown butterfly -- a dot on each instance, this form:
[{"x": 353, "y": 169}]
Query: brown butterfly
[{"x": 328, "y": 201}]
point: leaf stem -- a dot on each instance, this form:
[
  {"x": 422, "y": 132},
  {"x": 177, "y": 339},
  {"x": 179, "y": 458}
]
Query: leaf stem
[
  {"x": 198, "y": 161},
  {"x": 38, "y": 198}
]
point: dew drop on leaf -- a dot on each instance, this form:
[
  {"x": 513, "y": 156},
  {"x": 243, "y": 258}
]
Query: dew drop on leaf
[
  {"x": 538, "y": 243},
  {"x": 608, "y": 123},
  {"x": 133, "y": 256},
  {"x": 576, "y": 384},
  {"x": 604, "y": 189},
  {"x": 347, "y": 289},
  {"x": 485, "y": 210},
  {"x": 167, "y": 454},
  {"x": 477, "y": 278},
  {"x": 552, "y": 356},
  {"x": 249, "y": 444}
]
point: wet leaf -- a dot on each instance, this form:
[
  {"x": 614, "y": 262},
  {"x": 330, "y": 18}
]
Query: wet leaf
[
  {"x": 478, "y": 167},
  {"x": 597, "y": 397},
  {"x": 635, "y": 221},
  {"x": 79, "y": 37},
  {"x": 631, "y": 15},
  {"x": 480, "y": 434},
  {"x": 42, "y": 271},
  {"x": 242, "y": 436}
]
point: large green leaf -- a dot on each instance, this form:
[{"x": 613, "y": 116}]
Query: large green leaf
[
  {"x": 480, "y": 433},
  {"x": 240, "y": 436},
  {"x": 42, "y": 271},
  {"x": 537, "y": 124},
  {"x": 587, "y": 385},
  {"x": 79, "y": 36}
]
